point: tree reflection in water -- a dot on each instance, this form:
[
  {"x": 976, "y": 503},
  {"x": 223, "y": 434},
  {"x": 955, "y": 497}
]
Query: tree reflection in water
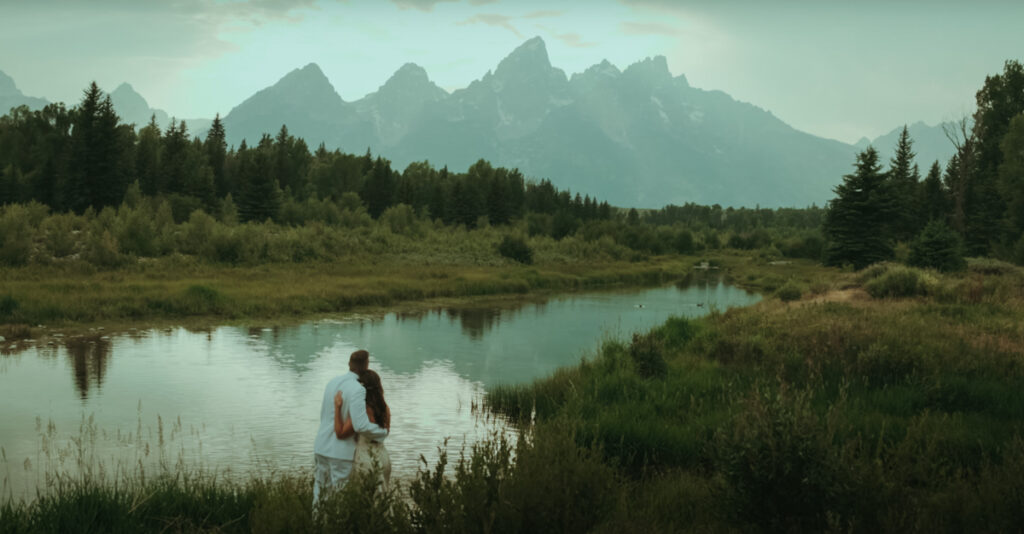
[{"x": 89, "y": 357}]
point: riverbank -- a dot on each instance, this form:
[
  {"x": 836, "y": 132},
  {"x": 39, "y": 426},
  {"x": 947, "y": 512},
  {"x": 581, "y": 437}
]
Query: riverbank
[
  {"x": 185, "y": 292},
  {"x": 886, "y": 400},
  {"x": 889, "y": 402}
]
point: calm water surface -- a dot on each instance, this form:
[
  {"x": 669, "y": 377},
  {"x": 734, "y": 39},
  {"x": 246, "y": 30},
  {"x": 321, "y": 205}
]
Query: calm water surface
[{"x": 247, "y": 400}]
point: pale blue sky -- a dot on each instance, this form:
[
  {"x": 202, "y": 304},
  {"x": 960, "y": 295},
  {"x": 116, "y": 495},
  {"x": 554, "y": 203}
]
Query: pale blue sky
[{"x": 833, "y": 68}]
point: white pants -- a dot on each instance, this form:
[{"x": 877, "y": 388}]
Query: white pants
[{"x": 331, "y": 474}]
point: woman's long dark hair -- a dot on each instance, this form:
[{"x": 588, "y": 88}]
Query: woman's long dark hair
[{"x": 375, "y": 397}]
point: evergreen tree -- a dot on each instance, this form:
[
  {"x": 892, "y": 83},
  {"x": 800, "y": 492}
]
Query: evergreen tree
[
  {"x": 857, "y": 220},
  {"x": 1000, "y": 99},
  {"x": 216, "y": 148},
  {"x": 934, "y": 198},
  {"x": 937, "y": 247},
  {"x": 904, "y": 186},
  {"x": 1011, "y": 185},
  {"x": 95, "y": 176},
  {"x": 147, "y": 161},
  {"x": 259, "y": 195},
  {"x": 379, "y": 188}
]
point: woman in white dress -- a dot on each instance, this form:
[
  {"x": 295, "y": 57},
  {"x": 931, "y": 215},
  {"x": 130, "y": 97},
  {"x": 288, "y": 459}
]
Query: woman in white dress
[{"x": 368, "y": 452}]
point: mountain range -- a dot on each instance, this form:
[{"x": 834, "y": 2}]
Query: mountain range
[
  {"x": 634, "y": 137},
  {"x": 11, "y": 96},
  {"x": 930, "y": 144}
]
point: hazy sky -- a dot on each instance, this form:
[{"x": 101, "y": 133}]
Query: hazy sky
[{"x": 840, "y": 69}]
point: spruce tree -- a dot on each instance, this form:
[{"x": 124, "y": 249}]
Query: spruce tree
[
  {"x": 96, "y": 178},
  {"x": 259, "y": 195},
  {"x": 934, "y": 198},
  {"x": 379, "y": 188},
  {"x": 904, "y": 186},
  {"x": 1011, "y": 185},
  {"x": 937, "y": 247},
  {"x": 147, "y": 161},
  {"x": 999, "y": 100},
  {"x": 216, "y": 148},
  {"x": 857, "y": 220}
]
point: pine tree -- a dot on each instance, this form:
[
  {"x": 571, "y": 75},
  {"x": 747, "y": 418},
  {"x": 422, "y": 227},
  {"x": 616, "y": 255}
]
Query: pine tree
[
  {"x": 1011, "y": 185},
  {"x": 934, "y": 198},
  {"x": 999, "y": 100},
  {"x": 259, "y": 195},
  {"x": 216, "y": 148},
  {"x": 147, "y": 161},
  {"x": 857, "y": 220},
  {"x": 95, "y": 176},
  {"x": 937, "y": 247},
  {"x": 379, "y": 188},
  {"x": 903, "y": 180}
]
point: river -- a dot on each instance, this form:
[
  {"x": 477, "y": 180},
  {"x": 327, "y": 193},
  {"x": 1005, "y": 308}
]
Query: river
[{"x": 244, "y": 400}]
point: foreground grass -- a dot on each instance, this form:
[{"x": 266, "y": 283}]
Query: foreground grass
[
  {"x": 889, "y": 401},
  {"x": 882, "y": 401}
]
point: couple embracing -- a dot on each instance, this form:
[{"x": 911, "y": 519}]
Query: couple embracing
[{"x": 354, "y": 420}]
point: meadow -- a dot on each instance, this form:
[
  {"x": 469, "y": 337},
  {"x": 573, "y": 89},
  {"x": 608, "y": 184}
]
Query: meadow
[{"x": 874, "y": 401}]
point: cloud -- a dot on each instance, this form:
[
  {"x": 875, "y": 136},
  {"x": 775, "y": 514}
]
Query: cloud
[
  {"x": 546, "y": 13},
  {"x": 492, "y": 19},
  {"x": 648, "y": 28},
  {"x": 505, "y": 21},
  {"x": 422, "y": 5},
  {"x": 572, "y": 39},
  {"x": 428, "y": 5}
]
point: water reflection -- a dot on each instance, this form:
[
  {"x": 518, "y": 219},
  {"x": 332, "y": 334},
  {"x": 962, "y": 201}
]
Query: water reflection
[
  {"x": 89, "y": 358},
  {"x": 255, "y": 391}
]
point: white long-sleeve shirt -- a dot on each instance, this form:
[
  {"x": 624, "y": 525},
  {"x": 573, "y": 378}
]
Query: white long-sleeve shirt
[{"x": 353, "y": 397}]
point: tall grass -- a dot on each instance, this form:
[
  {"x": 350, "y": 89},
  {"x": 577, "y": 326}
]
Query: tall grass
[
  {"x": 865, "y": 415},
  {"x": 838, "y": 412}
]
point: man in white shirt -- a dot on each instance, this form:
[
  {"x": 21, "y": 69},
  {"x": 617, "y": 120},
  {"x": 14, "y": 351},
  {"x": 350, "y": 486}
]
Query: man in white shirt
[{"x": 334, "y": 456}]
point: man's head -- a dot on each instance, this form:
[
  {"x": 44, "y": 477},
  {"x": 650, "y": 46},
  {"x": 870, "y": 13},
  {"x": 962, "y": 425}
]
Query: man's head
[{"x": 359, "y": 361}]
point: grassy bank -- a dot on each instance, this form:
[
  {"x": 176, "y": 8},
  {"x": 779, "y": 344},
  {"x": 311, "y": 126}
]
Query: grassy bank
[
  {"x": 180, "y": 289},
  {"x": 886, "y": 400}
]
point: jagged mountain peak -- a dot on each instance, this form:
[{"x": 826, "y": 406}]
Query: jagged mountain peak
[
  {"x": 604, "y": 68},
  {"x": 126, "y": 93},
  {"x": 410, "y": 78},
  {"x": 650, "y": 69},
  {"x": 133, "y": 108},
  {"x": 125, "y": 87},
  {"x": 308, "y": 76},
  {"x": 410, "y": 72},
  {"x": 529, "y": 56},
  {"x": 7, "y": 85}
]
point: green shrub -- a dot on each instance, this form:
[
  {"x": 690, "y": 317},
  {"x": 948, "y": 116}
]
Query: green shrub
[
  {"x": 937, "y": 247},
  {"x": 990, "y": 266},
  {"x": 784, "y": 472},
  {"x": 789, "y": 292},
  {"x": 197, "y": 236},
  {"x": 646, "y": 353},
  {"x": 683, "y": 242},
  {"x": 538, "y": 224},
  {"x": 898, "y": 282},
  {"x": 516, "y": 249},
  {"x": 136, "y": 234},
  {"x": 15, "y": 235},
  {"x": 8, "y": 305},
  {"x": 400, "y": 219},
  {"x": 810, "y": 247},
  {"x": 102, "y": 250},
  {"x": 60, "y": 234},
  {"x": 676, "y": 332}
]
